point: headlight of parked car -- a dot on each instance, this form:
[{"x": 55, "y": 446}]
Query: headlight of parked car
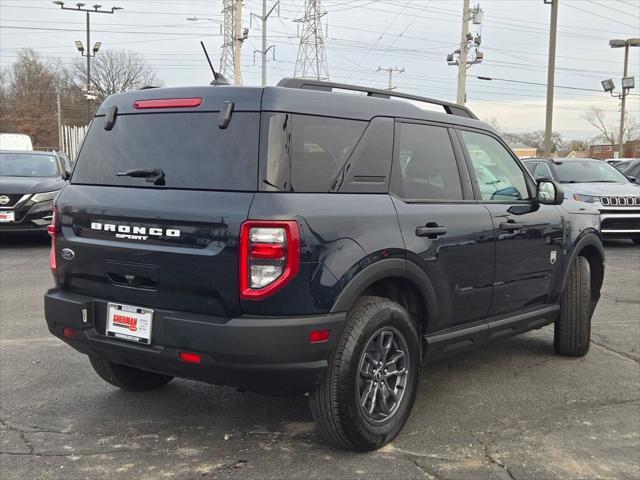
[
  {"x": 44, "y": 197},
  {"x": 586, "y": 198}
]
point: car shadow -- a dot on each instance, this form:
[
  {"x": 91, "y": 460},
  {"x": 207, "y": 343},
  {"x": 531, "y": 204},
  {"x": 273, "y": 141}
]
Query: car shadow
[
  {"x": 187, "y": 405},
  {"x": 24, "y": 239}
]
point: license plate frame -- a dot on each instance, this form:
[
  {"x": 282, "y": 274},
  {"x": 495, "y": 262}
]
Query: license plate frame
[
  {"x": 7, "y": 216},
  {"x": 129, "y": 323}
]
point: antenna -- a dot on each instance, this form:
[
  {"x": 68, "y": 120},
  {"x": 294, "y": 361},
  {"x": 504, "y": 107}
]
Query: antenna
[{"x": 218, "y": 79}]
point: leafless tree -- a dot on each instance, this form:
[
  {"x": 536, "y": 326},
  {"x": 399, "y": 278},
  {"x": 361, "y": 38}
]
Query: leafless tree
[
  {"x": 28, "y": 94},
  {"x": 610, "y": 133},
  {"x": 115, "y": 71}
]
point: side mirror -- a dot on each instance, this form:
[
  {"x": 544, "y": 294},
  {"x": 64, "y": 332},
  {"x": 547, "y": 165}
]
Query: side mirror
[
  {"x": 66, "y": 175},
  {"x": 632, "y": 179},
  {"x": 549, "y": 193}
]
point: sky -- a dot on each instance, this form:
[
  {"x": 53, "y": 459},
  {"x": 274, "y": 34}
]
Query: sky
[{"x": 363, "y": 35}]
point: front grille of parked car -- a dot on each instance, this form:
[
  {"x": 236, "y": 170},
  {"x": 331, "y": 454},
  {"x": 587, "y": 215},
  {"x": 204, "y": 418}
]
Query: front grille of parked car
[
  {"x": 620, "y": 201},
  {"x": 621, "y": 224},
  {"x": 13, "y": 199}
]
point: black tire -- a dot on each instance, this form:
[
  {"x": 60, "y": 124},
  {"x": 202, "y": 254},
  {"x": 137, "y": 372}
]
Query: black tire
[
  {"x": 335, "y": 404},
  {"x": 572, "y": 335},
  {"x": 128, "y": 378}
]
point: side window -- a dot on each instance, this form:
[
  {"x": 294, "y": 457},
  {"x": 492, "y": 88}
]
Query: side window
[
  {"x": 303, "y": 153},
  {"x": 530, "y": 166},
  {"x": 426, "y": 167},
  {"x": 542, "y": 171},
  {"x": 320, "y": 147},
  {"x": 498, "y": 174}
]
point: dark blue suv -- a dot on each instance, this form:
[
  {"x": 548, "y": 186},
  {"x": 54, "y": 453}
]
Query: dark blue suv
[{"x": 296, "y": 239}]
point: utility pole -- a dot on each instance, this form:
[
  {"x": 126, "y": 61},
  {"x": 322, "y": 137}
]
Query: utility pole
[
  {"x": 89, "y": 53},
  {"x": 265, "y": 49},
  {"x": 551, "y": 70},
  {"x": 238, "y": 39},
  {"x": 59, "y": 108},
  {"x": 464, "y": 51},
  {"x": 390, "y": 70},
  {"x": 468, "y": 40},
  {"x": 312, "y": 56}
]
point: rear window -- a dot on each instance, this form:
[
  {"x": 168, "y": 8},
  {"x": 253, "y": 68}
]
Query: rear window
[{"x": 189, "y": 148}]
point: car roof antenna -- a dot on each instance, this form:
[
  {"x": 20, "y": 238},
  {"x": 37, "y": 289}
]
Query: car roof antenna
[{"x": 218, "y": 78}]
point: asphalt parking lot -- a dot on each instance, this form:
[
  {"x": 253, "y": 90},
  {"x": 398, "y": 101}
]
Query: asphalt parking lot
[{"x": 506, "y": 411}]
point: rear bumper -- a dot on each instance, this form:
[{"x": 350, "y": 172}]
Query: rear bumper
[{"x": 269, "y": 354}]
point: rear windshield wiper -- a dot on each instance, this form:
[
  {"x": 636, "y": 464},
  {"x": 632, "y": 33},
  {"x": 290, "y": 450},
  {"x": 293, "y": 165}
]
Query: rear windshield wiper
[{"x": 151, "y": 175}]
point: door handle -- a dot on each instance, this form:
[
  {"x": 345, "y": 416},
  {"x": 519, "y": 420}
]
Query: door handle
[
  {"x": 431, "y": 230},
  {"x": 511, "y": 225}
]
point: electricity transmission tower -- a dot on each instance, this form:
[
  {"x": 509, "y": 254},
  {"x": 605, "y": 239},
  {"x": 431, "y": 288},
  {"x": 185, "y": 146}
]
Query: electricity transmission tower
[
  {"x": 312, "y": 57},
  {"x": 228, "y": 27},
  {"x": 233, "y": 36}
]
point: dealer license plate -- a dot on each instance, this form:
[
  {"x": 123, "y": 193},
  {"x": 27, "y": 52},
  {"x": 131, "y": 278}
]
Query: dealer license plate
[
  {"x": 126, "y": 322},
  {"x": 7, "y": 217}
]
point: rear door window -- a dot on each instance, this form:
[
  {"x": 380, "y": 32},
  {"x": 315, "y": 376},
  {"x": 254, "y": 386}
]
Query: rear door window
[
  {"x": 426, "y": 168},
  {"x": 188, "y": 147}
]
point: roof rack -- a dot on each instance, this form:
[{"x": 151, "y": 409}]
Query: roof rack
[{"x": 310, "y": 84}]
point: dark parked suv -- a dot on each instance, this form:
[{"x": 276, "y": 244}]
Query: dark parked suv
[{"x": 296, "y": 239}]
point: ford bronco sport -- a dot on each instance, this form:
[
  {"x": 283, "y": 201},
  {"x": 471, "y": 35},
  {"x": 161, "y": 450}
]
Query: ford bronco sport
[{"x": 301, "y": 239}]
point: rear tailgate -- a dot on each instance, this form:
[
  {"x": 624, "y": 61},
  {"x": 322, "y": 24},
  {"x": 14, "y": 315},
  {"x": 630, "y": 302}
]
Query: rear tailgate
[{"x": 170, "y": 246}]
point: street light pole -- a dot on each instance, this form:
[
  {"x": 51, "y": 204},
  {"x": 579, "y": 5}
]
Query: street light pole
[
  {"x": 95, "y": 9},
  {"x": 623, "y": 102},
  {"x": 551, "y": 70},
  {"x": 88, "y": 64},
  {"x": 618, "y": 43}
]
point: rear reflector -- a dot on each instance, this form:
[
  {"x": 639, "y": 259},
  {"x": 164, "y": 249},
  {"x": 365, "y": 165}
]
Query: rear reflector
[
  {"x": 53, "y": 230},
  {"x": 69, "y": 332},
  {"x": 319, "y": 336},
  {"x": 188, "y": 357},
  {"x": 168, "y": 103}
]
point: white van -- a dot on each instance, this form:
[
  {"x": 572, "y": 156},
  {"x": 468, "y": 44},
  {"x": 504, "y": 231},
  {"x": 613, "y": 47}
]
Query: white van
[{"x": 15, "y": 141}]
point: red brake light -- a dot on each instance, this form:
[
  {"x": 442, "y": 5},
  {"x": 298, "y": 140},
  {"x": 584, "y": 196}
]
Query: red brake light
[
  {"x": 269, "y": 257},
  {"x": 168, "y": 103},
  {"x": 188, "y": 357},
  {"x": 53, "y": 231}
]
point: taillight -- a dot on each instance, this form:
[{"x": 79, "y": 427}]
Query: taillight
[
  {"x": 53, "y": 230},
  {"x": 269, "y": 257}
]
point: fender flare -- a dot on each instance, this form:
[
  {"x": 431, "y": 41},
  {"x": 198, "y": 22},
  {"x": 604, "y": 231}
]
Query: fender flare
[
  {"x": 389, "y": 268},
  {"x": 588, "y": 240}
]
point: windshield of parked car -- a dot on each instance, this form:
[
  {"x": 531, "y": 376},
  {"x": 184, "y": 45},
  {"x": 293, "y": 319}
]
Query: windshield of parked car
[
  {"x": 588, "y": 171},
  {"x": 27, "y": 165}
]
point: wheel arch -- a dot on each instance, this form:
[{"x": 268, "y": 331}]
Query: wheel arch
[
  {"x": 591, "y": 248},
  {"x": 398, "y": 280}
]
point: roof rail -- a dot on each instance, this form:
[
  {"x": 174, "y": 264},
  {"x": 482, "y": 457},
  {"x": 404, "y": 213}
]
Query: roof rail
[{"x": 310, "y": 84}]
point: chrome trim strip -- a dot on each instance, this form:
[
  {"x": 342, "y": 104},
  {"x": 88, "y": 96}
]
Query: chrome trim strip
[
  {"x": 19, "y": 203},
  {"x": 620, "y": 231},
  {"x": 604, "y": 216}
]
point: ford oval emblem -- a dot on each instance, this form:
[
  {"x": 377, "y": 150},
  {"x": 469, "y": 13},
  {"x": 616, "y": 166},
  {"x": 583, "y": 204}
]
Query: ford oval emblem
[{"x": 67, "y": 254}]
